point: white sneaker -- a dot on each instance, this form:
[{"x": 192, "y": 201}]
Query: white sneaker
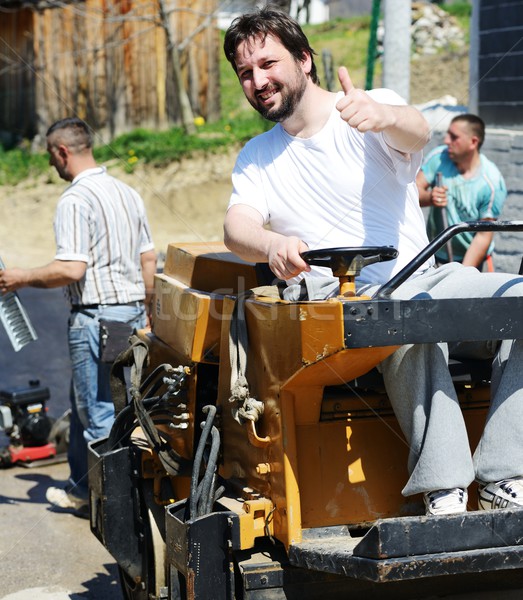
[
  {"x": 60, "y": 498},
  {"x": 445, "y": 502},
  {"x": 507, "y": 493}
]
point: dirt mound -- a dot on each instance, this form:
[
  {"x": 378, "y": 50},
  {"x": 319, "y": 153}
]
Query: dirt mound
[
  {"x": 185, "y": 201},
  {"x": 436, "y": 76}
]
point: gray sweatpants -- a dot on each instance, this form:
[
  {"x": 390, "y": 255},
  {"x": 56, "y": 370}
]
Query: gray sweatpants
[{"x": 422, "y": 394}]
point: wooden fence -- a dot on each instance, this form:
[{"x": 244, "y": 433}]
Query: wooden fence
[{"x": 105, "y": 61}]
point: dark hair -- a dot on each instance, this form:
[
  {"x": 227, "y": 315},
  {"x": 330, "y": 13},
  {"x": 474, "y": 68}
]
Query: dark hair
[
  {"x": 263, "y": 22},
  {"x": 76, "y": 133},
  {"x": 476, "y": 126}
]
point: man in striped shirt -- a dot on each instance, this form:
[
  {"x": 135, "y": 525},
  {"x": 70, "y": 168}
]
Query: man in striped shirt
[
  {"x": 470, "y": 188},
  {"x": 105, "y": 257}
]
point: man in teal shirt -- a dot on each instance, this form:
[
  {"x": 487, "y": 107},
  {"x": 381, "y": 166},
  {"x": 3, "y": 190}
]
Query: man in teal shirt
[{"x": 470, "y": 188}]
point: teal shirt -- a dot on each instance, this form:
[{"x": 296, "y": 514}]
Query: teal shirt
[{"x": 480, "y": 197}]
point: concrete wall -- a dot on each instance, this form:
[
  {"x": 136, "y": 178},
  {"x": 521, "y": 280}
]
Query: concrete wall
[{"x": 505, "y": 149}]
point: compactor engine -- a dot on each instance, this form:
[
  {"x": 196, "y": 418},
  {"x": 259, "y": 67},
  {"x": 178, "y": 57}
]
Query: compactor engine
[{"x": 32, "y": 434}]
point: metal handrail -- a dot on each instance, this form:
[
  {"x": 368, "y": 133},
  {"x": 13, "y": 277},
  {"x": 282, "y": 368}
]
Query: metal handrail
[{"x": 388, "y": 288}]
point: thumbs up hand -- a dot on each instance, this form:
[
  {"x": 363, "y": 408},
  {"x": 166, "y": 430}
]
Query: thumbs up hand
[
  {"x": 345, "y": 80},
  {"x": 359, "y": 110}
]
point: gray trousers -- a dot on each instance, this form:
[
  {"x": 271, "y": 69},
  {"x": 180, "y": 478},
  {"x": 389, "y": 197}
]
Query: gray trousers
[{"x": 422, "y": 394}]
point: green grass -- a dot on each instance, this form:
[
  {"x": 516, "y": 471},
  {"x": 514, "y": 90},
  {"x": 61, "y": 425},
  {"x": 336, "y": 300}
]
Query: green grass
[
  {"x": 346, "y": 40},
  {"x": 143, "y": 146},
  {"x": 20, "y": 163},
  {"x": 461, "y": 10},
  {"x": 158, "y": 146}
]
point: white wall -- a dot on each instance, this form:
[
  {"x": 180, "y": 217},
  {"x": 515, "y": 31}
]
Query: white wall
[{"x": 318, "y": 9}]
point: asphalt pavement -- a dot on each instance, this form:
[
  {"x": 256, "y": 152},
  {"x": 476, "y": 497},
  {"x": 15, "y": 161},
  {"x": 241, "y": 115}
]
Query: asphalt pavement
[
  {"x": 47, "y": 358},
  {"x": 48, "y": 555},
  {"x": 45, "y": 555}
]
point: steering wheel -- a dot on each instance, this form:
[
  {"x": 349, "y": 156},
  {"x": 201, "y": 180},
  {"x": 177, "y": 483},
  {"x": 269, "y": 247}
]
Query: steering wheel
[{"x": 349, "y": 261}]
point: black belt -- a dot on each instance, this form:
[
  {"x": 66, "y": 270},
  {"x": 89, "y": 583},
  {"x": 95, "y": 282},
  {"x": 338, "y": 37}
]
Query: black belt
[{"x": 80, "y": 307}]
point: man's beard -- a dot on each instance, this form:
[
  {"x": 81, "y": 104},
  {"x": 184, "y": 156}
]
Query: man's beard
[{"x": 290, "y": 99}]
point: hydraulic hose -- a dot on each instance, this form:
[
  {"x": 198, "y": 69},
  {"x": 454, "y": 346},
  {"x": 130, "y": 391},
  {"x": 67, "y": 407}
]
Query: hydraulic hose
[{"x": 196, "y": 489}]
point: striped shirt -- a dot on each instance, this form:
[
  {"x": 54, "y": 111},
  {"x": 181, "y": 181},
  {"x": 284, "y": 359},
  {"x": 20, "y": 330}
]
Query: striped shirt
[{"x": 101, "y": 221}]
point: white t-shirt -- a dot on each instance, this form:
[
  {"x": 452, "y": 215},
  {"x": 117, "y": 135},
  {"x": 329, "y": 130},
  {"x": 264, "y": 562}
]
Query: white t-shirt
[{"x": 338, "y": 188}]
